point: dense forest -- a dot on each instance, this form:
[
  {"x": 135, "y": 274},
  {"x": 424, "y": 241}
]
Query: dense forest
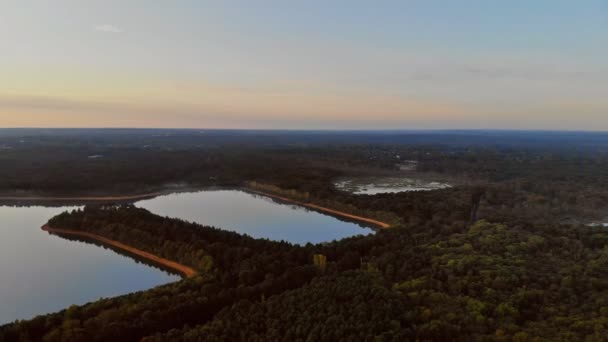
[
  {"x": 544, "y": 176},
  {"x": 505, "y": 254},
  {"x": 428, "y": 281}
]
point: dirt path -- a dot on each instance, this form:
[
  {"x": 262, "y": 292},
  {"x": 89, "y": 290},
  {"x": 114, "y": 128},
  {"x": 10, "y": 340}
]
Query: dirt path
[
  {"x": 323, "y": 209},
  {"x": 185, "y": 270}
]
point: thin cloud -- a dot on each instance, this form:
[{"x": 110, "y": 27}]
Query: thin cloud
[{"x": 106, "y": 28}]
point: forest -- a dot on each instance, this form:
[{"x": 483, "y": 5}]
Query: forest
[
  {"x": 428, "y": 281},
  {"x": 505, "y": 254}
]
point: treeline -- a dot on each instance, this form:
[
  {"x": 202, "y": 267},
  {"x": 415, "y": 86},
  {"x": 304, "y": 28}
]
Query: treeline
[
  {"x": 549, "y": 184},
  {"x": 207, "y": 249}
]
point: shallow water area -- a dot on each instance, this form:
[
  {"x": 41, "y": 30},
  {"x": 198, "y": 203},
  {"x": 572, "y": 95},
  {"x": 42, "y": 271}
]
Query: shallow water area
[{"x": 373, "y": 186}]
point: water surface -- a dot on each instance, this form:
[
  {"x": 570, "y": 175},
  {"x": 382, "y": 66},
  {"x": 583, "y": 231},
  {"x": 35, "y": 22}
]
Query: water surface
[
  {"x": 42, "y": 273},
  {"x": 254, "y": 215},
  {"x": 382, "y": 185}
]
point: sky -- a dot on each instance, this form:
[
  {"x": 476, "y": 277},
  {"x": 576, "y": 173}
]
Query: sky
[{"x": 331, "y": 64}]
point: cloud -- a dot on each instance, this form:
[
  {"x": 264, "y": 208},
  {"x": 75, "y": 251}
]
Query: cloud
[{"x": 106, "y": 28}]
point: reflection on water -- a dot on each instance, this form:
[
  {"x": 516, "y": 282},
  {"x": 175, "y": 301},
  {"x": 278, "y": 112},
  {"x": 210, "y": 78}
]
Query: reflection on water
[
  {"x": 41, "y": 273},
  {"x": 254, "y": 215}
]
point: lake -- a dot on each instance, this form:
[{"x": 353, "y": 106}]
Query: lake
[
  {"x": 254, "y": 215},
  {"x": 43, "y": 273}
]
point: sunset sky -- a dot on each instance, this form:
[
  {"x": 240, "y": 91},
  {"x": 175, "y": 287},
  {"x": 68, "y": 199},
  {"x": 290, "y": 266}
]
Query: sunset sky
[{"x": 305, "y": 64}]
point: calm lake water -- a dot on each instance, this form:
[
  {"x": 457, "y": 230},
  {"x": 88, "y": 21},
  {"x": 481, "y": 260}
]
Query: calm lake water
[
  {"x": 42, "y": 273},
  {"x": 254, "y": 215}
]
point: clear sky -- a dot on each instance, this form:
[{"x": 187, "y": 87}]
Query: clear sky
[{"x": 352, "y": 64}]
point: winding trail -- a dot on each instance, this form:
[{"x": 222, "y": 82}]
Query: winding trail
[
  {"x": 183, "y": 269},
  {"x": 323, "y": 209}
]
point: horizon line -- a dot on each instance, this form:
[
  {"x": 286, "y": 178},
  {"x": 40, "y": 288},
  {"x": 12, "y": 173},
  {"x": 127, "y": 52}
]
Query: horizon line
[{"x": 312, "y": 129}]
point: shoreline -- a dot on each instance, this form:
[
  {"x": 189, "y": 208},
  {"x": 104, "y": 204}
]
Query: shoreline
[
  {"x": 316, "y": 207},
  {"x": 136, "y": 197},
  {"x": 86, "y": 198},
  {"x": 90, "y": 199},
  {"x": 186, "y": 271}
]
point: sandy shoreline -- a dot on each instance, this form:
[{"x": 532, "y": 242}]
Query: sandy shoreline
[
  {"x": 183, "y": 269},
  {"x": 323, "y": 209}
]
